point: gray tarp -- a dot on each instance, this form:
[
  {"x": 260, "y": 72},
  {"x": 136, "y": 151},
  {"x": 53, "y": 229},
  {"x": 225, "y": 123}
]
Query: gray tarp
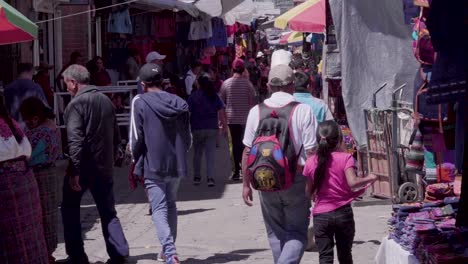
[{"x": 376, "y": 47}]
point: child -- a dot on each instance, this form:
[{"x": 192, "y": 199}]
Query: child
[{"x": 334, "y": 185}]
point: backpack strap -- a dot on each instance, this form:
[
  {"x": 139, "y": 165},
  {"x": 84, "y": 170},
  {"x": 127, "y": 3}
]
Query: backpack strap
[{"x": 274, "y": 120}]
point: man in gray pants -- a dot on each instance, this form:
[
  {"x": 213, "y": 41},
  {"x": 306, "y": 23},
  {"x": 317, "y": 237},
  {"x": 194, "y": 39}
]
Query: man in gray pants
[{"x": 285, "y": 212}]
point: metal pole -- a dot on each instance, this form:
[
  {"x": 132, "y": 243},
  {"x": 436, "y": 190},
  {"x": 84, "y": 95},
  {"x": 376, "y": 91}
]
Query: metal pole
[{"x": 395, "y": 141}]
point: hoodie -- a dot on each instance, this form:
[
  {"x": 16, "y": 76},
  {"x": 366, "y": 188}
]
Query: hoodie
[{"x": 160, "y": 135}]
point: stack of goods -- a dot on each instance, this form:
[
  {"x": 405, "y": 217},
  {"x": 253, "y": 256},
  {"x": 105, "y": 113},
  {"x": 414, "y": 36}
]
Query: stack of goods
[
  {"x": 428, "y": 229},
  {"x": 438, "y": 191}
]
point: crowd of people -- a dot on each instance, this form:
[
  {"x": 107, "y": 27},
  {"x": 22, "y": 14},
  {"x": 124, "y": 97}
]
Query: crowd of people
[{"x": 279, "y": 133}]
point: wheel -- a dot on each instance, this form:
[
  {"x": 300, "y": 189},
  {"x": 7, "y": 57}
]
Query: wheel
[{"x": 408, "y": 192}]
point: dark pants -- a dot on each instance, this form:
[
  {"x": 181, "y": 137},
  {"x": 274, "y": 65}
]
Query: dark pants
[
  {"x": 102, "y": 191},
  {"x": 335, "y": 227},
  {"x": 237, "y": 135}
]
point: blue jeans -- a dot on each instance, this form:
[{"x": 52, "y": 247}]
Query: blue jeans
[
  {"x": 204, "y": 141},
  {"x": 286, "y": 217},
  {"x": 162, "y": 195}
]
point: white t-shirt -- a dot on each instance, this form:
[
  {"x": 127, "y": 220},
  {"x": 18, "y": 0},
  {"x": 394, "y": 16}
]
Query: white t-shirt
[
  {"x": 189, "y": 81},
  {"x": 303, "y": 124}
]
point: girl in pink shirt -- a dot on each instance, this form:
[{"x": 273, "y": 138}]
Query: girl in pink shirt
[{"x": 334, "y": 185}]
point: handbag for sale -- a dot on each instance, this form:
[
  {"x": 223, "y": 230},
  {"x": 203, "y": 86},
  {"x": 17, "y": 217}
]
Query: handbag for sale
[{"x": 439, "y": 125}]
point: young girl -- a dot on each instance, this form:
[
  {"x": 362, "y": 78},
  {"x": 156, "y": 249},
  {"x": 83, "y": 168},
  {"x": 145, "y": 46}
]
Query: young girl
[{"x": 334, "y": 185}]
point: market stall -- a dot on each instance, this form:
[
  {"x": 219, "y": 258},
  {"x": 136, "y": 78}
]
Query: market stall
[{"x": 434, "y": 229}]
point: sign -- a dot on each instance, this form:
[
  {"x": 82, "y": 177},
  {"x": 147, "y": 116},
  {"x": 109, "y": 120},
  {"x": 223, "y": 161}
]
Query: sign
[{"x": 44, "y": 6}]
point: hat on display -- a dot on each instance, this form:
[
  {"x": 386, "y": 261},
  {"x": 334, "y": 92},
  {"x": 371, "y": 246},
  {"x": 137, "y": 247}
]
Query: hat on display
[
  {"x": 281, "y": 57},
  {"x": 44, "y": 66},
  {"x": 280, "y": 75},
  {"x": 238, "y": 64},
  {"x": 154, "y": 55},
  {"x": 150, "y": 72}
]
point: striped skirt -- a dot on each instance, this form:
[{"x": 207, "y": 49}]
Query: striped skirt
[
  {"x": 21, "y": 232},
  {"x": 48, "y": 193}
]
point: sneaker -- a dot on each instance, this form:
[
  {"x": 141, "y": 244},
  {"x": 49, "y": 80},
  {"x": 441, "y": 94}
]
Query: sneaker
[
  {"x": 150, "y": 211},
  {"x": 161, "y": 257},
  {"x": 121, "y": 260},
  {"x": 196, "y": 180},
  {"x": 175, "y": 260},
  {"x": 236, "y": 177},
  {"x": 211, "y": 182}
]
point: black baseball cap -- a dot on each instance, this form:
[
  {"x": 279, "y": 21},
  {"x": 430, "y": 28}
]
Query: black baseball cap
[{"x": 151, "y": 72}]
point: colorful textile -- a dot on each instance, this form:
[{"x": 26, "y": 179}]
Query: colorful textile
[
  {"x": 9, "y": 147},
  {"x": 48, "y": 183},
  {"x": 21, "y": 231},
  {"x": 45, "y": 143},
  {"x": 219, "y": 38}
]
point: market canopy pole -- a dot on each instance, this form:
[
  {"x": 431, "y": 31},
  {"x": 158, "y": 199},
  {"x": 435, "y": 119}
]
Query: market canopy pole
[
  {"x": 14, "y": 26},
  {"x": 306, "y": 17}
]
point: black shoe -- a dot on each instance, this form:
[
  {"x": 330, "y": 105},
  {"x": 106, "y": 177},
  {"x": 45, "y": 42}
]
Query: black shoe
[
  {"x": 121, "y": 260},
  {"x": 76, "y": 260},
  {"x": 211, "y": 182},
  {"x": 150, "y": 210},
  {"x": 196, "y": 180},
  {"x": 236, "y": 177}
]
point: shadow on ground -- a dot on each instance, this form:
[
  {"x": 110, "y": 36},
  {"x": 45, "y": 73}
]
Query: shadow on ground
[{"x": 219, "y": 258}]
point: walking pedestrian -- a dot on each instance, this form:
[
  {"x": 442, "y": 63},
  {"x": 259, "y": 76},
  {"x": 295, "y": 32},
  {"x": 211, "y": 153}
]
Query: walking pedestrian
[
  {"x": 92, "y": 138},
  {"x": 21, "y": 232},
  {"x": 191, "y": 77},
  {"x": 275, "y": 169},
  {"x": 22, "y": 88},
  {"x": 303, "y": 94},
  {"x": 238, "y": 95},
  {"x": 159, "y": 140},
  {"x": 206, "y": 109},
  {"x": 334, "y": 185},
  {"x": 46, "y": 145}
]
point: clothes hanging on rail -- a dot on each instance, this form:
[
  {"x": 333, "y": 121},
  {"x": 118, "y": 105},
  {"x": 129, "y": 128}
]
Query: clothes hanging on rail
[{"x": 119, "y": 22}]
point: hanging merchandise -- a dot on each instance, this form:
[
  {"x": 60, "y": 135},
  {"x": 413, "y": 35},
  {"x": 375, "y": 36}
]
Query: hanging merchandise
[
  {"x": 200, "y": 28},
  {"x": 422, "y": 44},
  {"x": 119, "y": 22},
  {"x": 165, "y": 24},
  {"x": 415, "y": 157},
  {"x": 143, "y": 24},
  {"x": 219, "y": 38}
]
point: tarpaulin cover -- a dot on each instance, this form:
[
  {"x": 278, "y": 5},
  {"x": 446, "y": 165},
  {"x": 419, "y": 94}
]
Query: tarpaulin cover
[{"x": 376, "y": 48}]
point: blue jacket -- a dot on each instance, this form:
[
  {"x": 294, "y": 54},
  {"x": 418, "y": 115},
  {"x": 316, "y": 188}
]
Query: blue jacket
[{"x": 160, "y": 134}]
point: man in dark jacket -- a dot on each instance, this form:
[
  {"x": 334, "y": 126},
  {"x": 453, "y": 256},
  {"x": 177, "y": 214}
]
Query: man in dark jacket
[
  {"x": 159, "y": 141},
  {"x": 92, "y": 138}
]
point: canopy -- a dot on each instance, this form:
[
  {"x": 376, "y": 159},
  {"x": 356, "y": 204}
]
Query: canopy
[
  {"x": 306, "y": 17},
  {"x": 14, "y": 26},
  {"x": 216, "y": 8},
  {"x": 291, "y": 38}
]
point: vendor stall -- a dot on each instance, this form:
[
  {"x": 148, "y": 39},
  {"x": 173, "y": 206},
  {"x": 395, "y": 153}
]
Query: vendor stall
[{"x": 434, "y": 230}]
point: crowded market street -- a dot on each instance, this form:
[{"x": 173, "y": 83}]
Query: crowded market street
[{"x": 214, "y": 224}]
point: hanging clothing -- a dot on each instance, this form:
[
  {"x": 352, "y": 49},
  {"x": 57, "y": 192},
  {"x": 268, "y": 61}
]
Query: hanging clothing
[
  {"x": 165, "y": 24},
  {"x": 200, "y": 29},
  {"x": 120, "y": 22},
  {"x": 219, "y": 38}
]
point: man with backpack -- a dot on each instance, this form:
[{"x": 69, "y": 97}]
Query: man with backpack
[{"x": 278, "y": 135}]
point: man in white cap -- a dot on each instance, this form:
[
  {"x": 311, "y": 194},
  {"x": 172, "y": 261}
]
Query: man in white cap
[
  {"x": 285, "y": 209},
  {"x": 155, "y": 58}
]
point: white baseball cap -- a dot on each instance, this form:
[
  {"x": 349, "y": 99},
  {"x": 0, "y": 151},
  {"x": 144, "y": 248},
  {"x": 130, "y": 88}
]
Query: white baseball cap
[
  {"x": 280, "y": 57},
  {"x": 260, "y": 54},
  {"x": 154, "y": 55}
]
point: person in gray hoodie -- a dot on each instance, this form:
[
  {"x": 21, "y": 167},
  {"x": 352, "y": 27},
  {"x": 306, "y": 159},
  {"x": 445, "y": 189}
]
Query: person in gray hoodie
[{"x": 159, "y": 141}]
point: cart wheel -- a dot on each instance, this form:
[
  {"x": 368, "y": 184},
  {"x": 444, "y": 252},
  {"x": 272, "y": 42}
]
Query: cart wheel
[{"x": 408, "y": 192}]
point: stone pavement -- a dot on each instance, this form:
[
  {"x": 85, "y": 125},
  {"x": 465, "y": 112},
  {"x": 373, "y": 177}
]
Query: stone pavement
[{"x": 214, "y": 225}]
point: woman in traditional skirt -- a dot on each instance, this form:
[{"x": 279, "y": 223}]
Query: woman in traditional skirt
[
  {"x": 45, "y": 142},
  {"x": 21, "y": 233}
]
